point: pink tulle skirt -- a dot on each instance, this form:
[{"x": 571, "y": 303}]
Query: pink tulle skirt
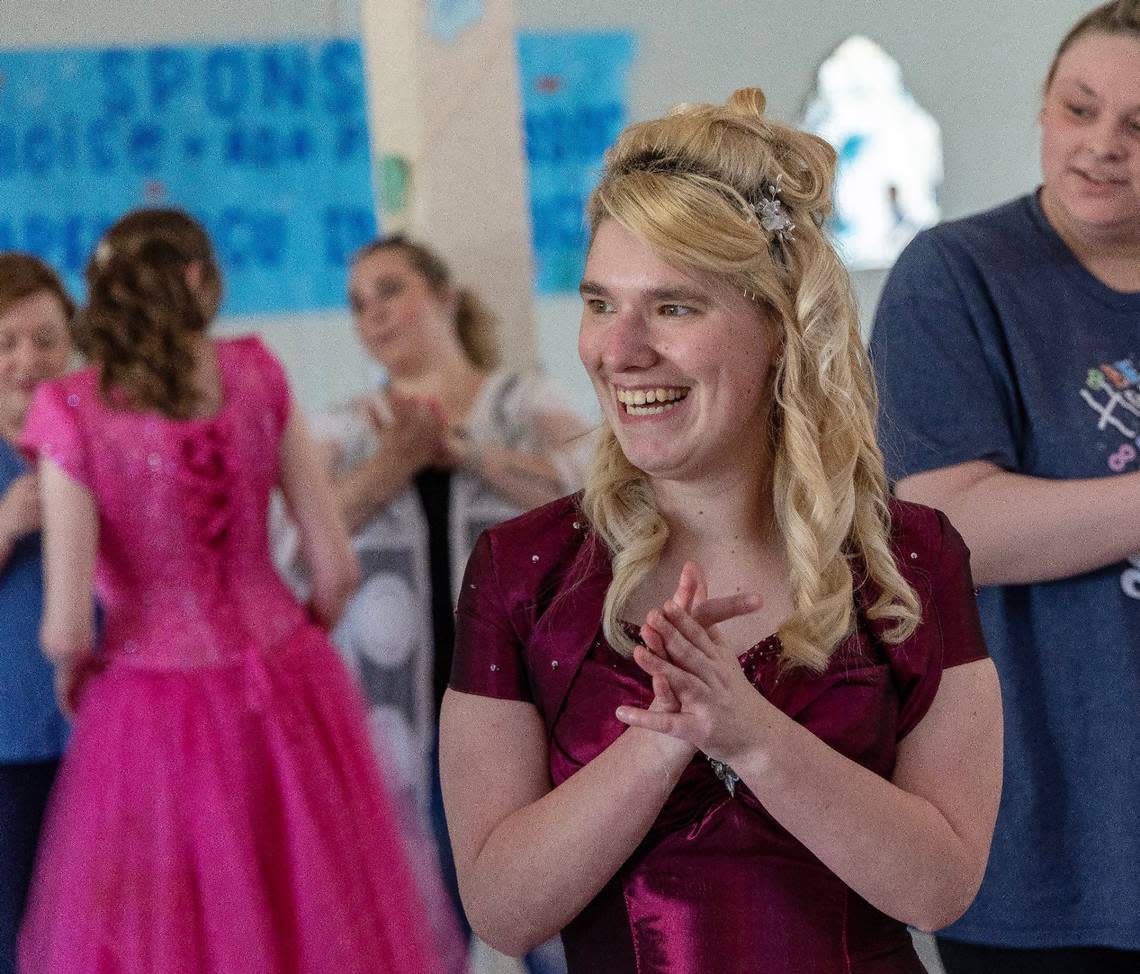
[{"x": 222, "y": 820}]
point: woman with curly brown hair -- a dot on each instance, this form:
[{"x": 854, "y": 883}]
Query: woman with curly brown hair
[
  {"x": 797, "y": 751},
  {"x": 218, "y": 808},
  {"x": 1030, "y": 314}
]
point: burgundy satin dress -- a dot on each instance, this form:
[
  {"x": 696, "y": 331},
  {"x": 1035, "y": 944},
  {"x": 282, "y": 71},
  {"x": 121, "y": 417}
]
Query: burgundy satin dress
[{"x": 717, "y": 885}]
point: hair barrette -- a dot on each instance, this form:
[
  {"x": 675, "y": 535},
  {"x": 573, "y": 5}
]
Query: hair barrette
[{"x": 772, "y": 214}]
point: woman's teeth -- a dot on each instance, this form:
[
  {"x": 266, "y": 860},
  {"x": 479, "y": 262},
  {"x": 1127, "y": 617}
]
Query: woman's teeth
[{"x": 645, "y": 402}]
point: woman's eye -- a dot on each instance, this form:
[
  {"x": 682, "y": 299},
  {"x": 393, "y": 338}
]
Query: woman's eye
[
  {"x": 676, "y": 310},
  {"x": 1079, "y": 111}
]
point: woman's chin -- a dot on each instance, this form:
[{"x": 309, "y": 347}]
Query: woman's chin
[
  {"x": 659, "y": 464},
  {"x": 14, "y": 405}
]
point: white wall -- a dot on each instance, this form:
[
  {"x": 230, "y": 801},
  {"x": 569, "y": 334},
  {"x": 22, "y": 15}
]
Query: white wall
[{"x": 975, "y": 65}]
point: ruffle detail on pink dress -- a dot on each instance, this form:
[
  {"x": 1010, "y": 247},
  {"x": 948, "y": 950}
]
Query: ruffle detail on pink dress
[{"x": 204, "y": 470}]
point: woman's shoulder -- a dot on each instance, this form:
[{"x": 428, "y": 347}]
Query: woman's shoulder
[
  {"x": 347, "y": 424},
  {"x": 63, "y": 414},
  {"x": 537, "y": 579},
  {"x": 78, "y": 389},
  {"x": 1002, "y": 232},
  {"x": 538, "y": 552},
  {"x": 916, "y": 528},
  {"x": 249, "y": 348},
  {"x": 1011, "y": 216},
  {"x": 251, "y": 359},
  {"x": 523, "y": 392},
  {"x": 545, "y": 531},
  {"x": 85, "y": 377},
  {"x": 254, "y": 377},
  {"x": 922, "y": 540},
  {"x": 934, "y": 560}
]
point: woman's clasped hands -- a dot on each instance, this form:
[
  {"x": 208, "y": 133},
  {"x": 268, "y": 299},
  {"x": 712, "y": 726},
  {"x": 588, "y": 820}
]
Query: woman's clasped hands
[
  {"x": 415, "y": 429},
  {"x": 701, "y": 693}
]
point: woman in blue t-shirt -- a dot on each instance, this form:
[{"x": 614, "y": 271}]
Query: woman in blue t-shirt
[
  {"x": 1008, "y": 352},
  {"x": 35, "y": 344}
]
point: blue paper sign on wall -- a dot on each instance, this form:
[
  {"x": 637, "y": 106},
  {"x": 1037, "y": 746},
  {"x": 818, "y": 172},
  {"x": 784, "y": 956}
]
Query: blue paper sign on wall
[
  {"x": 575, "y": 104},
  {"x": 266, "y": 144}
]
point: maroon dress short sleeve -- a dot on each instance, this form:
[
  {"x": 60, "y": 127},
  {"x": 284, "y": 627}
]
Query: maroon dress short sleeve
[
  {"x": 52, "y": 430},
  {"x": 950, "y": 633},
  {"x": 488, "y": 658}
]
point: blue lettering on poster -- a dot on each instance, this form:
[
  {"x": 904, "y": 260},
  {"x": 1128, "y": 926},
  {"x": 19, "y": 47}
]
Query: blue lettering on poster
[
  {"x": 267, "y": 144},
  {"x": 574, "y": 101}
]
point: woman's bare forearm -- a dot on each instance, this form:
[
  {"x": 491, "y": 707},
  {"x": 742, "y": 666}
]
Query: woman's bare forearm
[
  {"x": 895, "y": 849},
  {"x": 1022, "y": 530},
  {"x": 365, "y": 489},
  {"x": 542, "y": 863}
]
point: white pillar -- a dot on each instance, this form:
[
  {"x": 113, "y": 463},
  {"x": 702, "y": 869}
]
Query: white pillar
[{"x": 446, "y": 122}]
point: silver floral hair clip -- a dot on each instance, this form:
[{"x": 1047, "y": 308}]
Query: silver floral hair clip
[
  {"x": 103, "y": 252},
  {"x": 772, "y": 215}
]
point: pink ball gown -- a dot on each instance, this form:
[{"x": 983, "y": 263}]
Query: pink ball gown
[{"x": 219, "y": 809}]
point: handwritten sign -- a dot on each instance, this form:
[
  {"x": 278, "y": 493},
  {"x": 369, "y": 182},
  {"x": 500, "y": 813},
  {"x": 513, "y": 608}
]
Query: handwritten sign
[
  {"x": 266, "y": 144},
  {"x": 574, "y": 104}
]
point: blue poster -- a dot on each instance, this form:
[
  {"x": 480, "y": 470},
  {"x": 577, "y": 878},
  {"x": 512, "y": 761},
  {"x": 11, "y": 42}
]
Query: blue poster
[
  {"x": 266, "y": 144},
  {"x": 575, "y": 104}
]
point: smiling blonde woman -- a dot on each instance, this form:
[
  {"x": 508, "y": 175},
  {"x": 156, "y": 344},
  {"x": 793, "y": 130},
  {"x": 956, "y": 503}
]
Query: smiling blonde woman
[{"x": 729, "y": 710}]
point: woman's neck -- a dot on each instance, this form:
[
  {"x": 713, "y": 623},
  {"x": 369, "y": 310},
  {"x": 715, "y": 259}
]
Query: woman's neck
[
  {"x": 10, "y": 429},
  {"x": 12, "y": 415},
  {"x": 734, "y": 509},
  {"x": 730, "y": 531},
  {"x": 207, "y": 376},
  {"x": 1111, "y": 256},
  {"x": 453, "y": 381}
]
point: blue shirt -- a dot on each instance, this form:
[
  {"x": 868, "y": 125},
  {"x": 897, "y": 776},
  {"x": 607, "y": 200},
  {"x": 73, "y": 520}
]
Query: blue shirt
[
  {"x": 993, "y": 342},
  {"x": 31, "y": 726}
]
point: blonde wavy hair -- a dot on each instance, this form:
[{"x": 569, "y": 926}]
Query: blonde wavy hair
[{"x": 688, "y": 184}]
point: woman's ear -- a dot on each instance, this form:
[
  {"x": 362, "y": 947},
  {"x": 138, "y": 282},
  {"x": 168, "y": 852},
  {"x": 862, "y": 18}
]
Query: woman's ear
[
  {"x": 194, "y": 274},
  {"x": 450, "y": 296},
  {"x": 206, "y": 291}
]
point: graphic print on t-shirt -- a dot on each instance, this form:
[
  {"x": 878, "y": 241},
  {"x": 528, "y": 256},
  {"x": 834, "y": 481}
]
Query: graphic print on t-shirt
[{"x": 1112, "y": 391}]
